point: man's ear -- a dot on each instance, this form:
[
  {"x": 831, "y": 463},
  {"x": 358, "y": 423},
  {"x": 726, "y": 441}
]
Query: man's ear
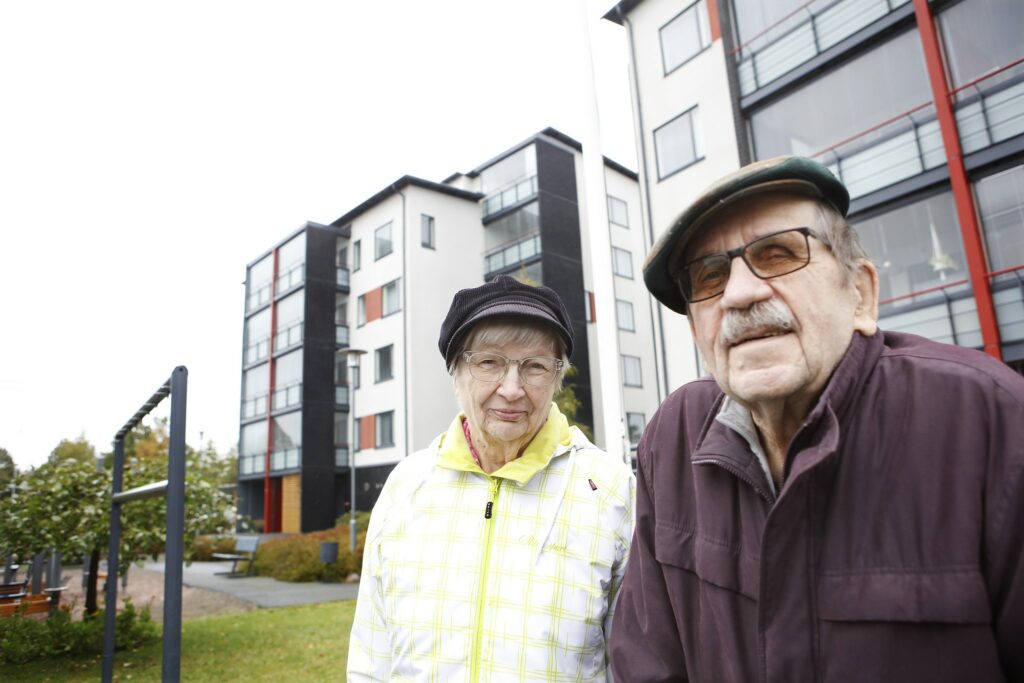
[{"x": 865, "y": 285}]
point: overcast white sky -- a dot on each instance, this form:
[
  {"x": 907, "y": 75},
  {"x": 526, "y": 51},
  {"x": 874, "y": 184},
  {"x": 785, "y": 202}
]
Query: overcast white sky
[{"x": 149, "y": 151}]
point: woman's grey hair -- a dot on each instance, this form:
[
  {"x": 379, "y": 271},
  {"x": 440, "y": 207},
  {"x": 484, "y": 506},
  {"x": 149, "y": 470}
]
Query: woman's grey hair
[
  {"x": 835, "y": 231},
  {"x": 509, "y": 330}
]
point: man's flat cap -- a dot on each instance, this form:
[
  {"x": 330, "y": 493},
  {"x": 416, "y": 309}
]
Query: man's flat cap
[
  {"x": 502, "y": 296},
  {"x": 781, "y": 174}
]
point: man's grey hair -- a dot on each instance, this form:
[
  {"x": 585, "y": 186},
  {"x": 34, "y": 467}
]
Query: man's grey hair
[
  {"x": 509, "y": 330},
  {"x": 836, "y": 232}
]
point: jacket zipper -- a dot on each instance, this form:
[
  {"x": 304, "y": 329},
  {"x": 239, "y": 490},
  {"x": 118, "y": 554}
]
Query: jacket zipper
[
  {"x": 485, "y": 561},
  {"x": 738, "y": 473}
]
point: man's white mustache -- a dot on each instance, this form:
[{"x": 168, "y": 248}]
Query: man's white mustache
[{"x": 764, "y": 316}]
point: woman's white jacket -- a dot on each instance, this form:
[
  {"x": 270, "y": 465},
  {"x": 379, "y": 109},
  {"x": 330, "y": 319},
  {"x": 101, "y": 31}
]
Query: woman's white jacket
[{"x": 504, "y": 577}]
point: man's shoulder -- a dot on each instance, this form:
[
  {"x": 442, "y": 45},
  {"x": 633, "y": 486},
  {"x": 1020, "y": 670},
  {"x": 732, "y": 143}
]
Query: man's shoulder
[
  {"x": 686, "y": 408},
  {"x": 947, "y": 367}
]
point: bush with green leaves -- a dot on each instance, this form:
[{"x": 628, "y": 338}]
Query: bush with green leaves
[
  {"x": 24, "y": 639},
  {"x": 297, "y": 558}
]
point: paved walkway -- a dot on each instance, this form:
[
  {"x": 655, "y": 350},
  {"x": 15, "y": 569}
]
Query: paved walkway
[{"x": 260, "y": 590}]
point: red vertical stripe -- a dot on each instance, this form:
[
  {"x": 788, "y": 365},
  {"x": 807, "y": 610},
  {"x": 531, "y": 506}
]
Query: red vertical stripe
[
  {"x": 713, "y": 19},
  {"x": 974, "y": 246}
]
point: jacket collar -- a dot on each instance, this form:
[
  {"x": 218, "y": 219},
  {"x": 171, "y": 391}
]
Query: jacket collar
[
  {"x": 719, "y": 441},
  {"x": 552, "y": 439}
]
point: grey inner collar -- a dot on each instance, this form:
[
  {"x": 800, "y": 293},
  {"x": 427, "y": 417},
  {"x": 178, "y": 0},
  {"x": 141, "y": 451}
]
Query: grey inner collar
[{"x": 737, "y": 418}]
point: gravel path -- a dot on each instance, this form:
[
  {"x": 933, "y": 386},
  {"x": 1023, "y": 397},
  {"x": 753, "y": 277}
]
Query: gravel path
[{"x": 146, "y": 587}]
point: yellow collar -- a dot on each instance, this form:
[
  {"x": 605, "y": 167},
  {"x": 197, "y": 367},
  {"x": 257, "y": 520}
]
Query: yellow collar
[{"x": 455, "y": 453}]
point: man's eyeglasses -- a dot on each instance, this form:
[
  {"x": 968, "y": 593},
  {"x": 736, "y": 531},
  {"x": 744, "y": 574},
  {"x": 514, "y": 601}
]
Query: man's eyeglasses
[
  {"x": 538, "y": 371},
  {"x": 779, "y": 253}
]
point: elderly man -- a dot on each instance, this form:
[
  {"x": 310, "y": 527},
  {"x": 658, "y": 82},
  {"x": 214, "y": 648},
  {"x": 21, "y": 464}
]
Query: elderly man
[{"x": 838, "y": 503}]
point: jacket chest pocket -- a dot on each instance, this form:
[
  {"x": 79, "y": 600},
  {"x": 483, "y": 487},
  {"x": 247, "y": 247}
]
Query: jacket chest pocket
[
  {"x": 714, "y": 562},
  {"x": 929, "y": 625}
]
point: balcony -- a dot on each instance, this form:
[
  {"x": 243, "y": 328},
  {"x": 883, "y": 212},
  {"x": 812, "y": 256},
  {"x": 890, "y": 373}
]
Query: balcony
[
  {"x": 802, "y": 35},
  {"x": 341, "y": 456},
  {"x": 509, "y": 196},
  {"x": 257, "y": 352},
  {"x": 290, "y": 336},
  {"x": 513, "y": 254},
  {"x": 343, "y": 278},
  {"x": 254, "y": 407},
  {"x": 288, "y": 396},
  {"x": 257, "y": 298},
  {"x": 250, "y": 464},
  {"x": 341, "y": 393},
  {"x": 990, "y": 109},
  {"x": 948, "y": 313},
  {"x": 292, "y": 277},
  {"x": 341, "y": 335},
  {"x": 285, "y": 459}
]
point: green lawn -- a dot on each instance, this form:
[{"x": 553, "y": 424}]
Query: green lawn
[{"x": 290, "y": 644}]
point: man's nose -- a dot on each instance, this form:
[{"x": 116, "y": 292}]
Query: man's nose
[{"x": 743, "y": 288}]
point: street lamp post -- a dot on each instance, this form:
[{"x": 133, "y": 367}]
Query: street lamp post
[{"x": 353, "y": 369}]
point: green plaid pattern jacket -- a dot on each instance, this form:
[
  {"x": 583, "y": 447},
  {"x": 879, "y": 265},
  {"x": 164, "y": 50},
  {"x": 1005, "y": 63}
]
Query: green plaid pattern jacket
[{"x": 507, "y": 577}]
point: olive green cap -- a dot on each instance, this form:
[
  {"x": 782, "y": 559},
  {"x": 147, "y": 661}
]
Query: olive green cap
[{"x": 781, "y": 174}]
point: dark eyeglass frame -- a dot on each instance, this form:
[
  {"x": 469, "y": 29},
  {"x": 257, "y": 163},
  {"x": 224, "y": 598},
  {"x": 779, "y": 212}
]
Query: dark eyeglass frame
[
  {"x": 468, "y": 357},
  {"x": 682, "y": 279}
]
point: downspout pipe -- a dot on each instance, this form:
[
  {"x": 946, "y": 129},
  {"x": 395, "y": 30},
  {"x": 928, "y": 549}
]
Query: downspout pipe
[{"x": 405, "y": 323}]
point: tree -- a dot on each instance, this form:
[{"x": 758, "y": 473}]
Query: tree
[
  {"x": 79, "y": 450},
  {"x": 569, "y": 404},
  {"x": 7, "y": 470},
  {"x": 65, "y": 504}
]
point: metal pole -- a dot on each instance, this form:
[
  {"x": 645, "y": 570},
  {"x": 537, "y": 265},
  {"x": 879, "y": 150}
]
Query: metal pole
[
  {"x": 110, "y": 612},
  {"x": 352, "y": 465},
  {"x": 174, "y": 553}
]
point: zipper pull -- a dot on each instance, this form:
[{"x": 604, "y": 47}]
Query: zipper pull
[{"x": 487, "y": 510}]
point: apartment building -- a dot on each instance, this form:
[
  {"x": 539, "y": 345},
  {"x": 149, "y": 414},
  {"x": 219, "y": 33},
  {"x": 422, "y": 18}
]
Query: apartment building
[
  {"x": 917, "y": 106},
  {"x": 380, "y": 279}
]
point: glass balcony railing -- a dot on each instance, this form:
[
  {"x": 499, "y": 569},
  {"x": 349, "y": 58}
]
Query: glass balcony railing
[
  {"x": 257, "y": 352},
  {"x": 288, "y": 337},
  {"x": 343, "y": 277},
  {"x": 341, "y": 456},
  {"x": 990, "y": 109},
  {"x": 891, "y": 151},
  {"x": 341, "y": 335},
  {"x": 802, "y": 35},
  {"x": 513, "y": 194},
  {"x": 254, "y": 407},
  {"x": 285, "y": 458},
  {"x": 341, "y": 394},
  {"x": 251, "y": 464},
  {"x": 288, "y": 396},
  {"x": 259, "y": 296},
  {"x": 290, "y": 278},
  {"x": 513, "y": 254}
]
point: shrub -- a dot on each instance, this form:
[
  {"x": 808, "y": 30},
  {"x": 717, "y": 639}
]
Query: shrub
[
  {"x": 203, "y": 547},
  {"x": 23, "y": 639},
  {"x": 297, "y": 558},
  {"x": 224, "y": 544}
]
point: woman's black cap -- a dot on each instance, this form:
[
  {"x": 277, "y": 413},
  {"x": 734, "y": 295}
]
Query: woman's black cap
[{"x": 502, "y": 296}]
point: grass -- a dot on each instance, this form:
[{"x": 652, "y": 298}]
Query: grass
[{"x": 306, "y": 643}]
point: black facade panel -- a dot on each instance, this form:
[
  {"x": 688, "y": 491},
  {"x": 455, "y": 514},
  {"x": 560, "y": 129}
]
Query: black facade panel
[
  {"x": 318, "y": 381},
  {"x": 249, "y": 501},
  {"x": 369, "y": 482},
  {"x": 561, "y": 257}
]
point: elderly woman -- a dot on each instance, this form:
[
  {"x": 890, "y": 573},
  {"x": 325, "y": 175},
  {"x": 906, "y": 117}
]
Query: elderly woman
[{"x": 496, "y": 553}]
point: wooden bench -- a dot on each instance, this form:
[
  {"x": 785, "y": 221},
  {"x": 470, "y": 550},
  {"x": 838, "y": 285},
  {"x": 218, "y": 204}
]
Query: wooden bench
[
  {"x": 245, "y": 551},
  {"x": 15, "y": 597}
]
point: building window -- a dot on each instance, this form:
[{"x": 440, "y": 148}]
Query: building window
[
  {"x": 617, "y": 212},
  {"x": 678, "y": 143},
  {"x": 382, "y": 366},
  {"x": 385, "y": 429},
  {"x": 361, "y": 310},
  {"x": 635, "y": 425},
  {"x": 392, "y": 298},
  {"x": 382, "y": 245},
  {"x": 622, "y": 263},
  {"x": 1001, "y": 205},
  {"x": 915, "y": 247},
  {"x": 427, "y": 231},
  {"x": 685, "y": 36},
  {"x": 631, "y": 375},
  {"x": 589, "y": 307},
  {"x": 624, "y": 313},
  {"x": 357, "y": 255}
]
